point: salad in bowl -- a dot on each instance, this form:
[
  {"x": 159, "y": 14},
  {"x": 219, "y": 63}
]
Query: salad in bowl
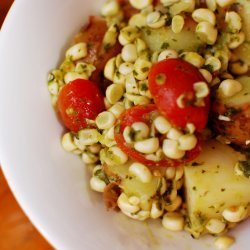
[{"x": 155, "y": 96}]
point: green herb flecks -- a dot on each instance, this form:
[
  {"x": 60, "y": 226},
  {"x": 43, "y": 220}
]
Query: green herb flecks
[
  {"x": 165, "y": 45},
  {"x": 244, "y": 166}
]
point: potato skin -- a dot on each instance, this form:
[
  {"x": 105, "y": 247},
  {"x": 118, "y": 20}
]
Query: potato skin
[
  {"x": 93, "y": 34},
  {"x": 237, "y": 130}
]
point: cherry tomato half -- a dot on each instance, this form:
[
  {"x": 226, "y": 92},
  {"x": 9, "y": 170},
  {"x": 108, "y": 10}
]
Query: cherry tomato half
[
  {"x": 79, "y": 100},
  {"x": 174, "y": 78},
  {"x": 145, "y": 113}
]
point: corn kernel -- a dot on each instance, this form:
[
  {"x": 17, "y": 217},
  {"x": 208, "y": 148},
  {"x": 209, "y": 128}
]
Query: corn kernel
[
  {"x": 211, "y": 4},
  {"x": 204, "y": 15},
  {"x": 141, "y": 129},
  {"x": 174, "y": 134},
  {"x": 173, "y": 221},
  {"x": 238, "y": 68},
  {"x": 215, "y": 226},
  {"x": 114, "y": 93},
  {"x": 68, "y": 142},
  {"x": 155, "y": 20},
  {"x": 224, "y": 3},
  {"x": 97, "y": 185},
  {"x": 230, "y": 87},
  {"x": 147, "y": 146},
  {"x": 214, "y": 63},
  {"x": 207, "y": 32},
  {"x": 109, "y": 69},
  {"x": 234, "y": 21},
  {"x": 142, "y": 68},
  {"x": 105, "y": 120},
  {"x": 129, "y": 53},
  {"x": 140, "y": 4},
  {"x": 177, "y": 23},
  {"x": 125, "y": 206},
  {"x": 236, "y": 40},
  {"x": 206, "y": 74},
  {"x": 130, "y": 33},
  {"x": 235, "y": 213},
  {"x": 193, "y": 58},
  {"x": 162, "y": 124},
  {"x": 138, "y": 20},
  {"x": 201, "y": 89},
  {"x": 168, "y": 53},
  {"x": 141, "y": 172},
  {"x": 110, "y": 8},
  {"x": 77, "y": 51},
  {"x": 224, "y": 242},
  {"x": 187, "y": 142},
  {"x": 171, "y": 150}
]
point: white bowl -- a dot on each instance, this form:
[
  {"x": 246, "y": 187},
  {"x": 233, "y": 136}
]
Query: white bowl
[{"x": 51, "y": 185}]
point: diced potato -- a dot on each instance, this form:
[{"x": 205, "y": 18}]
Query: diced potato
[
  {"x": 135, "y": 187},
  {"x": 165, "y": 38},
  {"x": 211, "y": 185},
  {"x": 131, "y": 185},
  {"x": 243, "y": 97}
]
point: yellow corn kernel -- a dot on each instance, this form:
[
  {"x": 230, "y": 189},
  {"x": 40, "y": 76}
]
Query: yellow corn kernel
[
  {"x": 147, "y": 146},
  {"x": 173, "y": 221},
  {"x": 204, "y": 15},
  {"x": 224, "y": 242},
  {"x": 110, "y": 8},
  {"x": 201, "y": 89},
  {"x": 140, "y": 4},
  {"x": 114, "y": 93},
  {"x": 233, "y": 21},
  {"x": 177, "y": 23},
  {"x": 129, "y": 53},
  {"x": 109, "y": 69},
  {"x": 207, "y": 32},
  {"x": 105, "y": 120},
  {"x": 141, "y": 172},
  {"x": 230, "y": 87},
  {"x": 77, "y": 51}
]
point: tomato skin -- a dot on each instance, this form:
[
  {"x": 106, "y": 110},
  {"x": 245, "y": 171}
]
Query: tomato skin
[
  {"x": 138, "y": 113},
  {"x": 79, "y": 100},
  {"x": 177, "y": 77},
  {"x": 143, "y": 113}
]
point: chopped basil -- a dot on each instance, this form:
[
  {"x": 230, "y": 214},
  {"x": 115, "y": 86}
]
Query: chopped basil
[
  {"x": 102, "y": 176},
  {"x": 165, "y": 45},
  {"x": 145, "y": 69},
  {"x": 244, "y": 166},
  {"x": 231, "y": 112}
]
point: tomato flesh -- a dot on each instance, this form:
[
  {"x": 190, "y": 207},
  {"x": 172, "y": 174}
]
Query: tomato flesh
[
  {"x": 168, "y": 80},
  {"x": 79, "y": 100},
  {"x": 144, "y": 114}
]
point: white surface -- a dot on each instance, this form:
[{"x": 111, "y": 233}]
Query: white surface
[{"x": 51, "y": 185}]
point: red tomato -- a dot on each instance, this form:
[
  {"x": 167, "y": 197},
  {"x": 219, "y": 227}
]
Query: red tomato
[
  {"x": 145, "y": 113},
  {"x": 168, "y": 80},
  {"x": 79, "y": 100}
]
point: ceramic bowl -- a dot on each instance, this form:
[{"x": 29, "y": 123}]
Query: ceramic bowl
[{"x": 50, "y": 184}]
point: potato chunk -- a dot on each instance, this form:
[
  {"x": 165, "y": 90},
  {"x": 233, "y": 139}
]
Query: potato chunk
[
  {"x": 165, "y": 38},
  {"x": 131, "y": 185},
  {"x": 211, "y": 185}
]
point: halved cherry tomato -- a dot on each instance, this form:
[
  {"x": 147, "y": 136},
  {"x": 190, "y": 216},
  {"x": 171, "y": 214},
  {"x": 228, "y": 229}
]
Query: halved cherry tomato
[
  {"x": 79, "y": 100},
  {"x": 145, "y": 113},
  {"x": 169, "y": 80}
]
